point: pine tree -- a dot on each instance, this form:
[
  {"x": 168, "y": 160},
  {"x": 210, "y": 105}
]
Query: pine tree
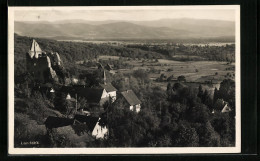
[
  {"x": 200, "y": 93},
  {"x": 169, "y": 90},
  {"x": 215, "y": 97}
]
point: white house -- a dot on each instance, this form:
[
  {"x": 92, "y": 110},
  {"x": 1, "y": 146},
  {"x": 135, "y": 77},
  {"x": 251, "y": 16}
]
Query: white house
[
  {"x": 94, "y": 96},
  {"x": 226, "y": 108},
  {"x": 99, "y": 131},
  {"x": 95, "y": 125},
  {"x": 132, "y": 100},
  {"x": 110, "y": 90}
]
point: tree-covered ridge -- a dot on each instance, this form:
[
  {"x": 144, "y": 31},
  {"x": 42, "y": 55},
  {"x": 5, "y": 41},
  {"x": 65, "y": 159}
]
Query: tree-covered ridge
[
  {"x": 70, "y": 52},
  {"x": 192, "y": 52}
]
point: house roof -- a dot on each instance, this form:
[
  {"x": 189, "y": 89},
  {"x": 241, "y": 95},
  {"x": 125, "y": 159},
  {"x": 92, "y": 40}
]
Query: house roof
[
  {"x": 108, "y": 87},
  {"x": 89, "y": 120},
  {"x": 47, "y": 85},
  {"x": 130, "y": 97},
  {"x": 67, "y": 89},
  {"x": 226, "y": 108},
  {"x": 93, "y": 95}
]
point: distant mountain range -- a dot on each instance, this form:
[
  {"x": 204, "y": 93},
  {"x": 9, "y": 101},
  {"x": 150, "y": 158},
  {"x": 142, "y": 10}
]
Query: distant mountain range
[{"x": 111, "y": 29}]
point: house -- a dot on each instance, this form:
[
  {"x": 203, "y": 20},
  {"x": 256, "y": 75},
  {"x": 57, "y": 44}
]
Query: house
[
  {"x": 69, "y": 129},
  {"x": 69, "y": 98},
  {"x": 52, "y": 90},
  {"x": 55, "y": 122},
  {"x": 109, "y": 68},
  {"x": 69, "y": 91},
  {"x": 110, "y": 89},
  {"x": 132, "y": 100},
  {"x": 226, "y": 108},
  {"x": 94, "y": 96},
  {"x": 222, "y": 106},
  {"x": 95, "y": 125},
  {"x": 46, "y": 88}
]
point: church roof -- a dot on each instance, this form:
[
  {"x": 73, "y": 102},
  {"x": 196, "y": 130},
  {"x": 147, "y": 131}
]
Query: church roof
[
  {"x": 130, "y": 97},
  {"x": 108, "y": 87}
]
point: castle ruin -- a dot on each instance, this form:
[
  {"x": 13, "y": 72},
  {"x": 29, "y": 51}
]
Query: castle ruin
[{"x": 41, "y": 65}]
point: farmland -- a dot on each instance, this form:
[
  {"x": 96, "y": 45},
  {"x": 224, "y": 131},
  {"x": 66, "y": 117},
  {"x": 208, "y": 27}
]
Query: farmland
[{"x": 194, "y": 71}]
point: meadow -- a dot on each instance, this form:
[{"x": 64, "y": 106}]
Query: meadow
[
  {"x": 208, "y": 74},
  {"x": 194, "y": 71}
]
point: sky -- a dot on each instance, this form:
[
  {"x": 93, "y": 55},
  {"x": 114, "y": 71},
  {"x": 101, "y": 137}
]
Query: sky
[{"x": 120, "y": 13}]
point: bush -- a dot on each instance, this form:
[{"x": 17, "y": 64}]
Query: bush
[
  {"x": 181, "y": 78},
  {"x": 27, "y": 130}
]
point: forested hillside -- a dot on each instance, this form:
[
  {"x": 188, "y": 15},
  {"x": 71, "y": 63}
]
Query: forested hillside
[{"x": 71, "y": 52}]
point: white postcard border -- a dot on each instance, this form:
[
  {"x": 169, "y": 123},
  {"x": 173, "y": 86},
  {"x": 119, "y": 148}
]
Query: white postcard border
[{"x": 159, "y": 150}]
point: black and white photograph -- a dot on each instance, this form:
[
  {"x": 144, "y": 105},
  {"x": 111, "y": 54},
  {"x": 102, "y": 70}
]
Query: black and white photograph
[{"x": 124, "y": 80}]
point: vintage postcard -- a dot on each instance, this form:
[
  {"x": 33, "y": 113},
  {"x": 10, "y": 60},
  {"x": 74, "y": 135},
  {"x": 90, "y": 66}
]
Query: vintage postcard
[{"x": 124, "y": 80}]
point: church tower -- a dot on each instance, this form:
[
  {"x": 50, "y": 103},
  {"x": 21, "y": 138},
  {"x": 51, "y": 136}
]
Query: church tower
[{"x": 104, "y": 77}]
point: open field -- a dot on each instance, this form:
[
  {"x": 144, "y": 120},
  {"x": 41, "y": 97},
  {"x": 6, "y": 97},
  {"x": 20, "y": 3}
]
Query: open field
[
  {"x": 194, "y": 71},
  {"x": 107, "y": 57}
]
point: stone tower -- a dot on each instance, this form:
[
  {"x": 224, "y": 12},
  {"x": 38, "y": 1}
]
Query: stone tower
[{"x": 39, "y": 64}]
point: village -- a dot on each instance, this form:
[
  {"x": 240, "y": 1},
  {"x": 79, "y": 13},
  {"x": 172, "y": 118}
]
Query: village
[
  {"x": 105, "y": 100},
  {"x": 43, "y": 65}
]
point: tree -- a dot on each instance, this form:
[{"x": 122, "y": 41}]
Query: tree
[
  {"x": 227, "y": 92},
  {"x": 164, "y": 141},
  {"x": 186, "y": 137},
  {"x": 162, "y": 77},
  {"x": 207, "y": 99},
  {"x": 215, "y": 97},
  {"x": 200, "y": 93},
  {"x": 181, "y": 78},
  {"x": 166, "y": 116},
  {"x": 219, "y": 104},
  {"x": 82, "y": 103},
  {"x": 177, "y": 86},
  {"x": 208, "y": 137},
  {"x": 169, "y": 90},
  {"x": 199, "y": 113},
  {"x": 142, "y": 75},
  {"x": 170, "y": 78},
  {"x": 62, "y": 104}
]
